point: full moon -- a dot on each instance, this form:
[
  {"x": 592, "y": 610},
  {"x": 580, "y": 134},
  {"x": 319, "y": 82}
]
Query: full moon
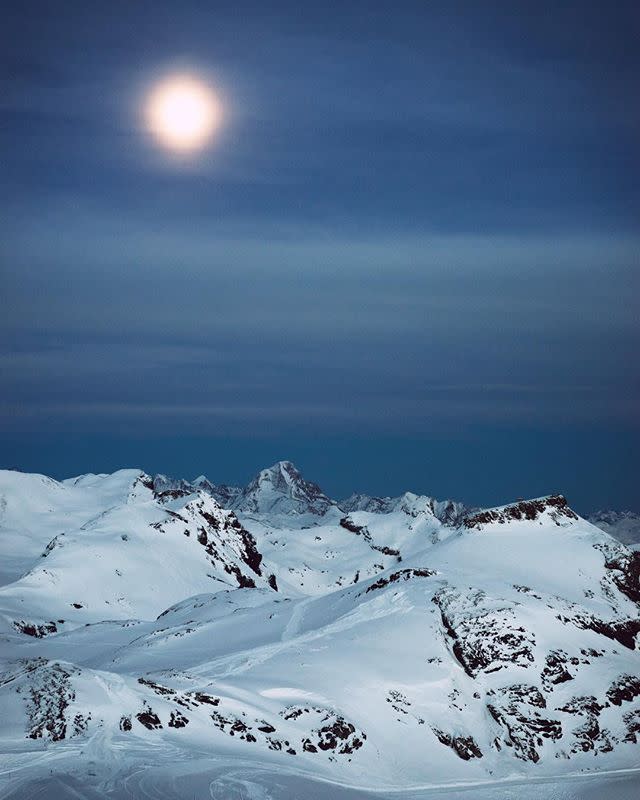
[{"x": 183, "y": 113}]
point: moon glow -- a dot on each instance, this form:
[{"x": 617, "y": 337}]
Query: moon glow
[{"x": 182, "y": 113}]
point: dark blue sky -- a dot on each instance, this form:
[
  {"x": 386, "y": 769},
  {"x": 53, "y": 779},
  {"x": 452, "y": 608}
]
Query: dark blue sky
[{"x": 409, "y": 260}]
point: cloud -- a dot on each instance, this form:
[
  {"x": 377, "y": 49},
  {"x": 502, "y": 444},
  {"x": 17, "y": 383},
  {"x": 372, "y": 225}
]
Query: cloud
[{"x": 409, "y": 218}]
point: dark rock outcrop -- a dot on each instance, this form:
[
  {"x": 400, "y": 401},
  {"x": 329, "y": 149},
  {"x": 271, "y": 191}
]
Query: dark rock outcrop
[
  {"x": 464, "y": 747},
  {"x": 524, "y": 728},
  {"x": 402, "y": 574},
  {"x": 483, "y": 639},
  {"x": 624, "y": 689},
  {"x": 556, "y": 505}
]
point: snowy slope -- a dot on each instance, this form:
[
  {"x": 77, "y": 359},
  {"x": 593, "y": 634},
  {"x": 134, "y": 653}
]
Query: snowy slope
[
  {"x": 376, "y": 649},
  {"x": 131, "y": 555},
  {"x": 34, "y": 509}
]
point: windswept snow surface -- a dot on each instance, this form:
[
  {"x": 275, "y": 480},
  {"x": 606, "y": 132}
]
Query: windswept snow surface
[{"x": 156, "y": 644}]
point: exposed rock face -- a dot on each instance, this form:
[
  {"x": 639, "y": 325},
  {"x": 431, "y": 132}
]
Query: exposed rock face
[
  {"x": 632, "y": 723},
  {"x": 625, "y": 569},
  {"x": 349, "y": 525},
  {"x": 624, "y": 689},
  {"x": 34, "y": 629},
  {"x": 623, "y": 631},
  {"x": 178, "y": 720},
  {"x": 556, "y": 506},
  {"x": 149, "y": 719},
  {"x": 50, "y": 694},
  {"x": 403, "y": 574},
  {"x": 485, "y": 636},
  {"x": 338, "y": 735},
  {"x": 464, "y": 747},
  {"x": 451, "y": 512},
  {"x": 361, "y": 530},
  {"x": 524, "y": 727},
  {"x": 557, "y": 669},
  {"x": 333, "y": 732},
  {"x": 585, "y": 705},
  {"x": 228, "y": 544}
]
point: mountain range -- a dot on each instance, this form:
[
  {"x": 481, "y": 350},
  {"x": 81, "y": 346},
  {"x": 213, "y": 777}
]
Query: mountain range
[
  {"x": 172, "y": 638},
  {"x": 282, "y": 489}
]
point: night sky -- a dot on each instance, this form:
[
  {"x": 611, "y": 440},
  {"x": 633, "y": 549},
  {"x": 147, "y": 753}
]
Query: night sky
[{"x": 408, "y": 260}]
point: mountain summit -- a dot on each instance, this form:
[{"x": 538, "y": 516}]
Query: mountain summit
[{"x": 281, "y": 489}]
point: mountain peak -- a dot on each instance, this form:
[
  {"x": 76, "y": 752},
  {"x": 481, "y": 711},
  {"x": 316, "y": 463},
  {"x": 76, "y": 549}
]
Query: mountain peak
[
  {"x": 281, "y": 489},
  {"x": 282, "y": 471},
  {"x": 285, "y": 468}
]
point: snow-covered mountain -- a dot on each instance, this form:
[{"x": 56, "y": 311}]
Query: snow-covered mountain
[
  {"x": 281, "y": 489},
  {"x": 448, "y": 512},
  {"x": 623, "y": 525},
  {"x": 133, "y": 553},
  {"x": 155, "y": 644},
  {"x": 222, "y": 493}
]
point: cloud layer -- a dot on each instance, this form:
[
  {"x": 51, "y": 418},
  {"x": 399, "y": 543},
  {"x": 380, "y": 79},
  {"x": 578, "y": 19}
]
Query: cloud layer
[{"x": 412, "y": 221}]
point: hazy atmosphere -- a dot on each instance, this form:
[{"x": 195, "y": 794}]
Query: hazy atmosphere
[{"x": 409, "y": 260}]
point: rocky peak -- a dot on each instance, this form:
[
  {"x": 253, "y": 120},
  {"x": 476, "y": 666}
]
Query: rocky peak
[
  {"x": 222, "y": 493},
  {"x": 451, "y": 512},
  {"x": 281, "y": 489},
  {"x": 165, "y": 488}
]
